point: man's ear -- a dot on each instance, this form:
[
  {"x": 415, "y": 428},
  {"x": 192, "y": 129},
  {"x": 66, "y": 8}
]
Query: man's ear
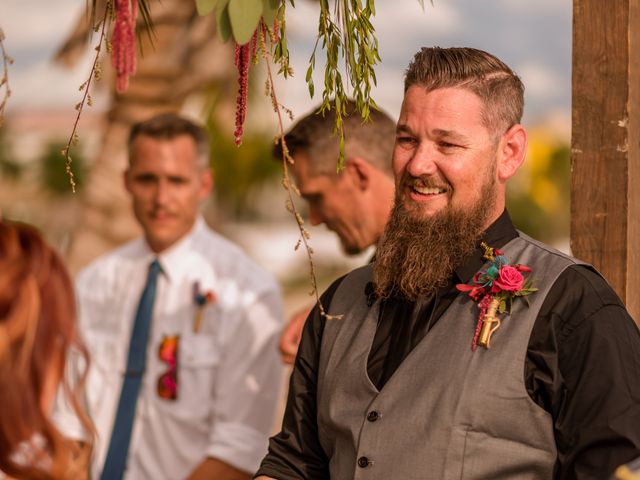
[
  {"x": 511, "y": 152},
  {"x": 206, "y": 182},
  {"x": 360, "y": 172}
]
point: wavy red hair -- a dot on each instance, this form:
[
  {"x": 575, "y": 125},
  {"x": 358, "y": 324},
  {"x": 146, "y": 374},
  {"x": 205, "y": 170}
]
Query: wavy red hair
[{"x": 37, "y": 329}]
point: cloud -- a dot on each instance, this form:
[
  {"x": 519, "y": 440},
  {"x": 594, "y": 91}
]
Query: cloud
[
  {"x": 539, "y": 7},
  {"x": 398, "y": 19},
  {"x": 38, "y": 24},
  {"x": 541, "y": 82},
  {"x": 43, "y": 84}
]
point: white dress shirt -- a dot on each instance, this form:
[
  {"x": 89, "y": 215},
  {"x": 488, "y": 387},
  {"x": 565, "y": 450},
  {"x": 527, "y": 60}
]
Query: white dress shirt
[{"x": 228, "y": 375}]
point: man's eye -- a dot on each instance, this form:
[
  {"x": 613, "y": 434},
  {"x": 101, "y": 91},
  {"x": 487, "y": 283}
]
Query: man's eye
[
  {"x": 178, "y": 180},
  {"x": 145, "y": 179},
  {"x": 447, "y": 145},
  {"x": 405, "y": 140}
]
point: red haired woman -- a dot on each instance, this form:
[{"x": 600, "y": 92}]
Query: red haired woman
[{"x": 37, "y": 329}]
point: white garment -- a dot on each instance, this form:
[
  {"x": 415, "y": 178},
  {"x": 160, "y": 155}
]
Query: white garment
[{"x": 228, "y": 375}]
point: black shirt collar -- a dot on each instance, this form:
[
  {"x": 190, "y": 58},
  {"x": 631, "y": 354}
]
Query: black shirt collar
[{"x": 497, "y": 235}]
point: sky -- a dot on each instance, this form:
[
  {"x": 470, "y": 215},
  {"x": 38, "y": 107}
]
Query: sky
[{"x": 534, "y": 38}]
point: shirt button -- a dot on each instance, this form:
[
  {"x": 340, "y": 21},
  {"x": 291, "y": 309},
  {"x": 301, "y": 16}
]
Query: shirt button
[
  {"x": 373, "y": 416},
  {"x": 363, "y": 462}
]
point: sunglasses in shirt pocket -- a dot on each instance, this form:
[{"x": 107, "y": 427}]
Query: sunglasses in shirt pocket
[{"x": 198, "y": 358}]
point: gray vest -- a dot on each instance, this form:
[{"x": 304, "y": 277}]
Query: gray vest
[{"x": 447, "y": 412}]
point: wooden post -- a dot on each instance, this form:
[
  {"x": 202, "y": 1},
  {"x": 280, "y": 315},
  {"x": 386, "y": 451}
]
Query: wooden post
[{"x": 605, "y": 153}]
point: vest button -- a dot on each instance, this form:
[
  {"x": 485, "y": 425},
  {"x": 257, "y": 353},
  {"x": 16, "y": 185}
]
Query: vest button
[
  {"x": 373, "y": 416},
  {"x": 363, "y": 462}
]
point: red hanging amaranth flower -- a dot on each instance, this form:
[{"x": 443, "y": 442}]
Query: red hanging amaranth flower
[
  {"x": 243, "y": 59},
  {"x": 123, "y": 42}
]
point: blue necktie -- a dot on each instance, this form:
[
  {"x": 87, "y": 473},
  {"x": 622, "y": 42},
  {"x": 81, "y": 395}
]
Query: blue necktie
[{"x": 119, "y": 445}]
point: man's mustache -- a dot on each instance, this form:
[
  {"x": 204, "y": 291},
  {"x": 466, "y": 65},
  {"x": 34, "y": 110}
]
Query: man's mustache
[{"x": 424, "y": 181}]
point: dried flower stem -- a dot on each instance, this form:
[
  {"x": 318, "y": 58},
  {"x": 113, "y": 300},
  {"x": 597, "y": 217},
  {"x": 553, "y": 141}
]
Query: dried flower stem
[
  {"x": 4, "y": 80},
  {"x": 94, "y": 72},
  {"x": 287, "y": 183}
]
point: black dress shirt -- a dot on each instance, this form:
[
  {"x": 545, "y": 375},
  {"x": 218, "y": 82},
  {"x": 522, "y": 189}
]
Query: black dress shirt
[{"x": 582, "y": 366}]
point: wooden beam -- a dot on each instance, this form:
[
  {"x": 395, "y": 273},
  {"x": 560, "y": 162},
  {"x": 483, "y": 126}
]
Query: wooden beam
[{"x": 605, "y": 153}]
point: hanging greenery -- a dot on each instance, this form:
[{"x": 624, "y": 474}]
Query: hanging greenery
[
  {"x": 258, "y": 29},
  {"x": 346, "y": 35}
]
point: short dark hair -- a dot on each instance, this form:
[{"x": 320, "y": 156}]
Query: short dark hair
[
  {"x": 499, "y": 88},
  {"x": 314, "y": 135},
  {"x": 168, "y": 126}
]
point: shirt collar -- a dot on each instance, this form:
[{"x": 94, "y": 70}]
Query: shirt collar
[
  {"x": 172, "y": 258},
  {"x": 497, "y": 235}
]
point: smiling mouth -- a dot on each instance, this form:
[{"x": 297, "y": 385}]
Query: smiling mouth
[
  {"x": 421, "y": 187},
  {"x": 428, "y": 190}
]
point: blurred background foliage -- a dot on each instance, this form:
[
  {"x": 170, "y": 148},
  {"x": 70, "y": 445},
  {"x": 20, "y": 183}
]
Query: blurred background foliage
[
  {"x": 53, "y": 176},
  {"x": 538, "y": 197},
  {"x": 239, "y": 173},
  {"x": 242, "y": 172},
  {"x": 10, "y": 170}
]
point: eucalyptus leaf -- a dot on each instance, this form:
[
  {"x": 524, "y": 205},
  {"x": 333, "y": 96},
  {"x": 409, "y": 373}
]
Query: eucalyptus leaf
[
  {"x": 244, "y": 16},
  {"x": 205, "y": 7},
  {"x": 270, "y": 11},
  {"x": 222, "y": 20}
]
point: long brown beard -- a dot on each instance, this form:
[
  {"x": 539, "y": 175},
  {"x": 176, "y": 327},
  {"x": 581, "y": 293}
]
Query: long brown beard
[{"x": 416, "y": 256}]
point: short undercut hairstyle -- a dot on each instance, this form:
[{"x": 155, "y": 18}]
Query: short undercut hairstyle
[
  {"x": 314, "y": 136},
  {"x": 499, "y": 88},
  {"x": 168, "y": 126}
]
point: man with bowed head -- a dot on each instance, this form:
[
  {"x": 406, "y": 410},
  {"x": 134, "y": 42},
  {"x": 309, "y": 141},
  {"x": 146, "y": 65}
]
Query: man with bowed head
[
  {"x": 355, "y": 203},
  {"x": 182, "y": 328},
  {"x": 438, "y": 369}
]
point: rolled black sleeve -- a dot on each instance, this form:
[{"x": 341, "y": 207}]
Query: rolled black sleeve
[{"x": 295, "y": 452}]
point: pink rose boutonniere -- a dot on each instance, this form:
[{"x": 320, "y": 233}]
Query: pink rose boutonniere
[{"x": 494, "y": 290}]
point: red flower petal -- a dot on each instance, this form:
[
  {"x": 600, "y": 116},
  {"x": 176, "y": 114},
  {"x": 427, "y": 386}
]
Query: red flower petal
[
  {"x": 463, "y": 287},
  {"x": 522, "y": 268}
]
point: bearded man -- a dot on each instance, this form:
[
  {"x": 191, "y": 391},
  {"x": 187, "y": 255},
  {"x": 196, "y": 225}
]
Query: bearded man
[{"x": 399, "y": 382}]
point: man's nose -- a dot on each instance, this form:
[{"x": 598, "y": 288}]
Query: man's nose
[
  {"x": 162, "y": 193},
  {"x": 423, "y": 162}
]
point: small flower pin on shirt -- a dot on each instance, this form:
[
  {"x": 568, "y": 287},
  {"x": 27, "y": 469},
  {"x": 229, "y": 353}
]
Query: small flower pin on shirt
[{"x": 201, "y": 300}]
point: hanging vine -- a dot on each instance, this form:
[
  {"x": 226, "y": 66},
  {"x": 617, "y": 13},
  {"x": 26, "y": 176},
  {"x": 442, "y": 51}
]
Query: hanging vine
[
  {"x": 258, "y": 30},
  {"x": 4, "y": 80},
  {"x": 95, "y": 73},
  {"x": 117, "y": 35}
]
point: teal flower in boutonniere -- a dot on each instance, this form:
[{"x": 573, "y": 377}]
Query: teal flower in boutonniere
[{"x": 494, "y": 290}]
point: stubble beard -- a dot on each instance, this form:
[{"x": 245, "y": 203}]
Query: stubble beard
[{"x": 416, "y": 256}]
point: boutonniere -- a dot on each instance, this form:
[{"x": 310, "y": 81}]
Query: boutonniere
[
  {"x": 201, "y": 299},
  {"x": 494, "y": 290}
]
